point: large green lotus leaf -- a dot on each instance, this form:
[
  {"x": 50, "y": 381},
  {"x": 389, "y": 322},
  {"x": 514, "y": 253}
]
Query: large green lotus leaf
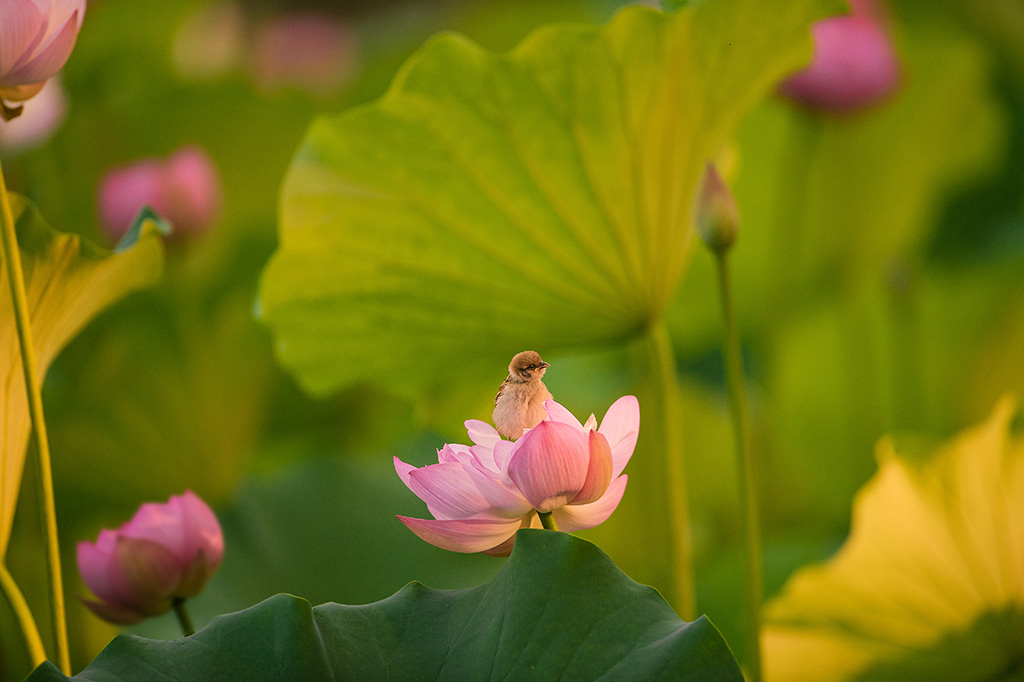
[
  {"x": 559, "y": 609},
  {"x": 67, "y": 282},
  {"x": 830, "y": 201},
  {"x": 930, "y": 583},
  {"x": 494, "y": 202}
]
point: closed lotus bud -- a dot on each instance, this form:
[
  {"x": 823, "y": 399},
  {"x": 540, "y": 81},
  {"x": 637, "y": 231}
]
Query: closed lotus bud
[
  {"x": 718, "y": 218},
  {"x": 193, "y": 191},
  {"x": 184, "y": 190},
  {"x": 36, "y": 39},
  {"x": 854, "y": 65},
  {"x": 166, "y": 552}
]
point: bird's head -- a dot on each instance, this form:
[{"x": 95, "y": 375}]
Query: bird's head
[{"x": 527, "y": 365}]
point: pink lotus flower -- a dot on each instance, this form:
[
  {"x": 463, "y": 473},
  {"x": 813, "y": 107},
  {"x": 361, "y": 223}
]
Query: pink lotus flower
[
  {"x": 480, "y": 495},
  {"x": 36, "y": 38},
  {"x": 185, "y": 190},
  {"x": 854, "y": 65},
  {"x": 166, "y": 552}
]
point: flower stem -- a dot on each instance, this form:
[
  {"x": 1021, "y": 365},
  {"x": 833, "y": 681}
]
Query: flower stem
[
  {"x": 12, "y": 257},
  {"x": 184, "y": 620},
  {"x": 29, "y": 632},
  {"x": 745, "y": 467},
  {"x": 547, "y": 520},
  {"x": 681, "y": 542}
]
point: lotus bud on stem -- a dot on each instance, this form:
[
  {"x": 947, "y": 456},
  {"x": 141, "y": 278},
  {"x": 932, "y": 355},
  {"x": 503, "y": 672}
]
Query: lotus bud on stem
[
  {"x": 718, "y": 218},
  {"x": 184, "y": 619},
  {"x": 718, "y": 223},
  {"x": 165, "y": 554}
]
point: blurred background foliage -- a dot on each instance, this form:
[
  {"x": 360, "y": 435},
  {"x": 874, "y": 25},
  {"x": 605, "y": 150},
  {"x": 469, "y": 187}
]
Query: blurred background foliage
[{"x": 879, "y": 281}]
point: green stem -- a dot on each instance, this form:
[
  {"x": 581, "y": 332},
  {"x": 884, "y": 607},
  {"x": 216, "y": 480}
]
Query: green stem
[
  {"x": 745, "y": 468},
  {"x": 48, "y": 511},
  {"x": 681, "y": 542},
  {"x": 547, "y": 520},
  {"x": 184, "y": 620},
  {"x": 29, "y": 632}
]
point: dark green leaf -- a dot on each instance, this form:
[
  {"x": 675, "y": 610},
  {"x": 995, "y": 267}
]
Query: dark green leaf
[{"x": 559, "y": 609}]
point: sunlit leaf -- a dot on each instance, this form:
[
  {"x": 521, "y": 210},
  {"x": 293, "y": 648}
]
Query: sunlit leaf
[
  {"x": 68, "y": 282},
  {"x": 494, "y": 202},
  {"x": 930, "y": 583},
  {"x": 559, "y": 609}
]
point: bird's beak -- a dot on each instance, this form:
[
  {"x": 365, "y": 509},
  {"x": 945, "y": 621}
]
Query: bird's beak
[{"x": 543, "y": 364}]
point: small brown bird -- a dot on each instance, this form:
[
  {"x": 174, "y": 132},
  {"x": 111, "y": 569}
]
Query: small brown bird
[{"x": 519, "y": 404}]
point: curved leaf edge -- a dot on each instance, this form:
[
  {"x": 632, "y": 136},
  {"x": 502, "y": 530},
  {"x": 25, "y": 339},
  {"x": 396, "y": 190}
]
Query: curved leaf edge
[{"x": 290, "y": 620}]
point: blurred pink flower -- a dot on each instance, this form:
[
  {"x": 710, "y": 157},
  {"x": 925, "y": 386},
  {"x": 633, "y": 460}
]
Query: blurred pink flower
[
  {"x": 480, "y": 495},
  {"x": 166, "y": 552},
  {"x": 314, "y": 52},
  {"x": 854, "y": 65},
  {"x": 36, "y": 38},
  {"x": 49, "y": 108},
  {"x": 185, "y": 190}
]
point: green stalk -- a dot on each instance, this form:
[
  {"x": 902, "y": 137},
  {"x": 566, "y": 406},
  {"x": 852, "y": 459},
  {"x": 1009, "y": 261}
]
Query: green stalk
[
  {"x": 547, "y": 520},
  {"x": 29, "y": 632},
  {"x": 184, "y": 620},
  {"x": 680, "y": 540},
  {"x": 48, "y": 510},
  {"x": 744, "y": 466}
]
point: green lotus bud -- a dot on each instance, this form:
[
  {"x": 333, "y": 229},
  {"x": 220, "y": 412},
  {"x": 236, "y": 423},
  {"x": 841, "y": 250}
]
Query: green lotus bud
[{"x": 718, "y": 218}]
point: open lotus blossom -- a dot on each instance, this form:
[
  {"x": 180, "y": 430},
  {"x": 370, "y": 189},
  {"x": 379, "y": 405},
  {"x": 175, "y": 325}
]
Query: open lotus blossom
[
  {"x": 166, "y": 552},
  {"x": 854, "y": 65},
  {"x": 36, "y": 38},
  {"x": 184, "y": 189},
  {"x": 481, "y": 494}
]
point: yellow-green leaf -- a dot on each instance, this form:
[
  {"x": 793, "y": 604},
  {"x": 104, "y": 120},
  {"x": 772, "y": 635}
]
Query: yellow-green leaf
[
  {"x": 494, "y": 202},
  {"x": 930, "y": 583},
  {"x": 67, "y": 281}
]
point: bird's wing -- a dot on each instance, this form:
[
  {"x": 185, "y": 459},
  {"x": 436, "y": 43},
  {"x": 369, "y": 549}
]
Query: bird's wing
[{"x": 502, "y": 388}]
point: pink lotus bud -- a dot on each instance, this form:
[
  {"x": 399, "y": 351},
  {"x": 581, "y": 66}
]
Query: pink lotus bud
[
  {"x": 718, "y": 218},
  {"x": 480, "y": 495},
  {"x": 854, "y": 65},
  {"x": 49, "y": 109},
  {"x": 36, "y": 38},
  {"x": 185, "y": 190},
  {"x": 310, "y": 51},
  {"x": 193, "y": 190},
  {"x": 166, "y": 552},
  {"x": 124, "y": 191}
]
